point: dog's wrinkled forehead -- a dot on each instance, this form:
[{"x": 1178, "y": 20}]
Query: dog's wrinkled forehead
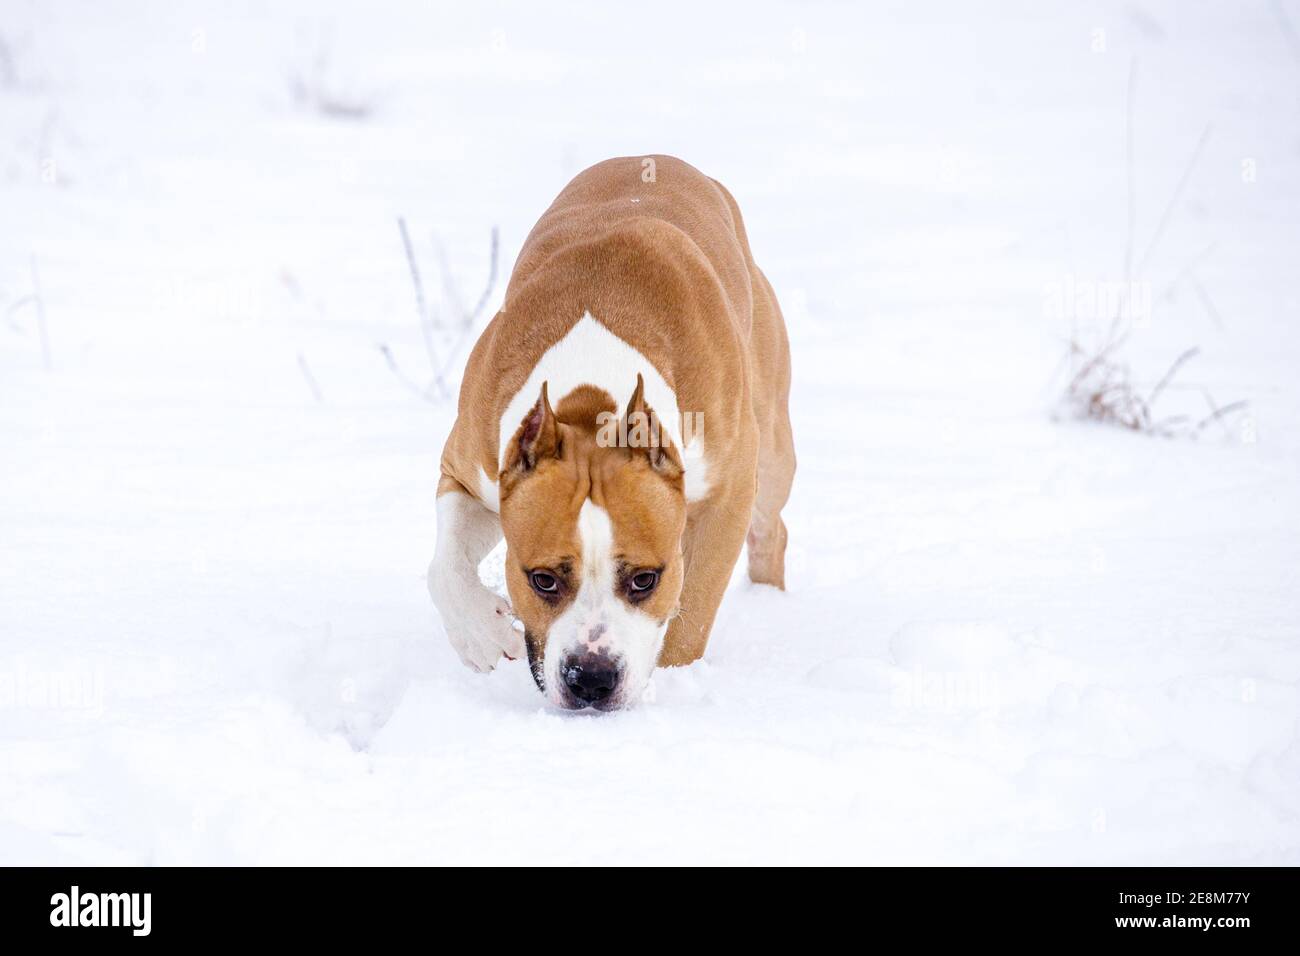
[
  {"x": 561, "y": 458},
  {"x": 627, "y": 515}
]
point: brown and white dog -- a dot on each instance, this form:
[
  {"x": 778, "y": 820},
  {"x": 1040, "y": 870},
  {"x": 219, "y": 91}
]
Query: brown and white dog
[{"x": 635, "y": 293}]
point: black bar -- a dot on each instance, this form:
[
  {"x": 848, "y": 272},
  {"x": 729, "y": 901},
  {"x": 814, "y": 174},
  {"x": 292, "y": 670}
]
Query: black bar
[{"x": 362, "y": 906}]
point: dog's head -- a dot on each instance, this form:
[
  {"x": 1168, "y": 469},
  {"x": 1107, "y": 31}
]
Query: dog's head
[{"x": 593, "y": 510}]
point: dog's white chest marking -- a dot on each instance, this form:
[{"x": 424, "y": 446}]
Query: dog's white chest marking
[{"x": 590, "y": 354}]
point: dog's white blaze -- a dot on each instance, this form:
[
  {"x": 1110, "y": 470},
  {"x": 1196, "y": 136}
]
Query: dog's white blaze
[
  {"x": 632, "y": 636},
  {"x": 590, "y": 354},
  {"x": 596, "y": 532}
]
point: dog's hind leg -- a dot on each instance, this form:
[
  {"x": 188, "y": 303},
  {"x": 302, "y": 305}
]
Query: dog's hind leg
[{"x": 767, "y": 535}]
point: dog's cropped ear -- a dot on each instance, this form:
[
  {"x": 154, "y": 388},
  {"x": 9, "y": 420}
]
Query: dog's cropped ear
[
  {"x": 647, "y": 436},
  {"x": 537, "y": 439}
]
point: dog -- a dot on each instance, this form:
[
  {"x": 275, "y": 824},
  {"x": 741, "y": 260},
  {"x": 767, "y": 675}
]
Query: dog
[{"x": 624, "y": 422}]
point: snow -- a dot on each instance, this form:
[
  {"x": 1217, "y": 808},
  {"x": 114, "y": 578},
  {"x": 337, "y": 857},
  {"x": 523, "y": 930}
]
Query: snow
[{"x": 1007, "y": 638}]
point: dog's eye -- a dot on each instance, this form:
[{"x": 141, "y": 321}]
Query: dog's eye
[
  {"x": 544, "y": 582},
  {"x": 643, "y": 582}
]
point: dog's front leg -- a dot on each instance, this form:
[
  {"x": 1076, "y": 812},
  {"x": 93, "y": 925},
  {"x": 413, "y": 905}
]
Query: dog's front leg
[
  {"x": 715, "y": 532},
  {"x": 477, "y": 620}
]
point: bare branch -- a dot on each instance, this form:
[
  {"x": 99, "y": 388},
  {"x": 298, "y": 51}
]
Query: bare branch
[
  {"x": 1206, "y": 301},
  {"x": 1218, "y": 414},
  {"x": 491, "y": 280},
  {"x": 311, "y": 89},
  {"x": 311, "y": 379},
  {"x": 421, "y": 306},
  {"x": 401, "y": 376},
  {"x": 452, "y": 290},
  {"x": 1173, "y": 200},
  {"x": 1173, "y": 370},
  {"x": 1102, "y": 388}
]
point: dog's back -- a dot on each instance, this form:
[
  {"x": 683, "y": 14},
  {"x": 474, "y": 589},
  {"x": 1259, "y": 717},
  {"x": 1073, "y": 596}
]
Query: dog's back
[
  {"x": 673, "y": 207},
  {"x": 657, "y": 253}
]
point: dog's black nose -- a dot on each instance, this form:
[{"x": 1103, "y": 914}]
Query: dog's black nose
[{"x": 589, "y": 677}]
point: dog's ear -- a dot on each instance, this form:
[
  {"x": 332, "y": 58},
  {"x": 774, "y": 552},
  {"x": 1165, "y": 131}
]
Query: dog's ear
[
  {"x": 647, "y": 436},
  {"x": 537, "y": 439}
]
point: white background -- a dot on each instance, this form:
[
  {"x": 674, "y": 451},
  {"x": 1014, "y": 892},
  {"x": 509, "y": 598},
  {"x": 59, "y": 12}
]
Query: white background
[{"x": 1009, "y": 636}]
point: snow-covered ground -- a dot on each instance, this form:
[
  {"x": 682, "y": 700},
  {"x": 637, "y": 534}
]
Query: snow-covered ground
[{"x": 1006, "y": 638}]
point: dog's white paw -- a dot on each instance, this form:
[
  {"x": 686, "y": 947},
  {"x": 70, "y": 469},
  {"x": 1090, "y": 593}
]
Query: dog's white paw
[{"x": 481, "y": 629}]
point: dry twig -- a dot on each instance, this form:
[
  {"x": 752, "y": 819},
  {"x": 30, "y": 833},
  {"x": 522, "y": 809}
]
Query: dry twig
[
  {"x": 463, "y": 328},
  {"x": 1101, "y": 387}
]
